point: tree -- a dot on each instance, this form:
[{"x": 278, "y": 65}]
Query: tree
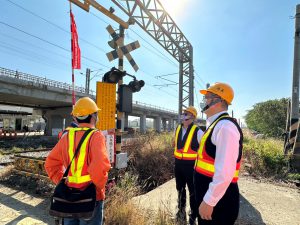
[{"x": 268, "y": 117}]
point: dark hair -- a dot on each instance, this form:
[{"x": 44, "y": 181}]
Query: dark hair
[{"x": 86, "y": 120}]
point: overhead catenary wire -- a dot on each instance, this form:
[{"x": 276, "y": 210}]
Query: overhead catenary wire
[
  {"x": 19, "y": 53},
  {"x": 50, "y": 43},
  {"x": 61, "y": 28},
  {"x": 33, "y": 55},
  {"x": 53, "y": 24},
  {"x": 65, "y": 49}
]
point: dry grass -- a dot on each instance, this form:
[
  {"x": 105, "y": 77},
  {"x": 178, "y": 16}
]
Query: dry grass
[
  {"x": 119, "y": 210},
  {"x": 152, "y": 160}
]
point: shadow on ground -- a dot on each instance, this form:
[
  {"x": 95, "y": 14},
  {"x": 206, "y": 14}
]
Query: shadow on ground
[{"x": 248, "y": 215}]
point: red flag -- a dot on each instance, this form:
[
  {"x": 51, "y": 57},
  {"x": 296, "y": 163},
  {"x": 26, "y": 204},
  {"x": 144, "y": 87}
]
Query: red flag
[{"x": 76, "y": 62}]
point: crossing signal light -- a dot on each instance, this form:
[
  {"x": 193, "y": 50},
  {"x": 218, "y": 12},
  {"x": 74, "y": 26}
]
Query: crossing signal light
[
  {"x": 113, "y": 76},
  {"x": 136, "y": 85}
]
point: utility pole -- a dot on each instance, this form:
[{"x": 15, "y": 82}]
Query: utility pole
[
  {"x": 87, "y": 81},
  {"x": 294, "y": 118},
  {"x": 294, "y": 134}
]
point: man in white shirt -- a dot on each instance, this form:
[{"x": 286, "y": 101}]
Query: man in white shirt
[
  {"x": 187, "y": 138},
  {"x": 218, "y": 160}
]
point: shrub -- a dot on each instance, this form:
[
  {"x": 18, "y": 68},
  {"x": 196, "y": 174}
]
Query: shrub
[{"x": 265, "y": 157}]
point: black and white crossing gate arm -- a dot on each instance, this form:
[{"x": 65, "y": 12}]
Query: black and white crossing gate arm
[{"x": 122, "y": 49}]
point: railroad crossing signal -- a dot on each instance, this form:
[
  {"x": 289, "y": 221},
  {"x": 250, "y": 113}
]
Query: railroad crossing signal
[{"x": 122, "y": 49}]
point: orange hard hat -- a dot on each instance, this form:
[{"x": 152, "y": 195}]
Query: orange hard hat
[
  {"x": 191, "y": 109},
  {"x": 222, "y": 90},
  {"x": 84, "y": 106}
]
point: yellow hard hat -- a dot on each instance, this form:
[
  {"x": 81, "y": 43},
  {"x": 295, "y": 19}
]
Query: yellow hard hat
[
  {"x": 84, "y": 107},
  {"x": 221, "y": 89},
  {"x": 192, "y": 110}
]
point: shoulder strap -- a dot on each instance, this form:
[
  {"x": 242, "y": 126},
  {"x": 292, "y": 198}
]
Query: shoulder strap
[{"x": 77, "y": 150}]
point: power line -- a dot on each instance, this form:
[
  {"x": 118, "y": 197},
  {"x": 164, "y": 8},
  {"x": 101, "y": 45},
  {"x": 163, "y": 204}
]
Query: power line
[
  {"x": 157, "y": 78},
  {"x": 62, "y": 29},
  {"x": 162, "y": 56},
  {"x": 25, "y": 51},
  {"x": 53, "y": 44},
  {"x": 53, "y": 24},
  {"x": 25, "y": 56},
  {"x": 203, "y": 82}
]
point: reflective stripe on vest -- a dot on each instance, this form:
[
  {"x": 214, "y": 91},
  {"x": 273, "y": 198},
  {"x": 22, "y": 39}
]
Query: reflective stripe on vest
[
  {"x": 61, "y": 133},
  {"x": 186, "y": 153},
  {"x": 76, "y": 166},
  {"x": 205, "y": 165}
]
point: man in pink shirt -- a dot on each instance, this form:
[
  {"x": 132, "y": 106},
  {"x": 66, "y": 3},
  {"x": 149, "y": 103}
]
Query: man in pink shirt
[{"x": 218, "y": 160}]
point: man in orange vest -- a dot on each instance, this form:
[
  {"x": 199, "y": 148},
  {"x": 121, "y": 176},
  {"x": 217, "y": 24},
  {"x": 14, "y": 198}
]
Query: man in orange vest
[
  {"x": 218, "y": 160},
  {"x": 187, "y": 137},
  {"x": 95, "y": 164}
]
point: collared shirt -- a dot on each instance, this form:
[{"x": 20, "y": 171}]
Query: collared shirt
[
  {"x": 226, "y": 138},
  {"x": 199, "y": 133}
]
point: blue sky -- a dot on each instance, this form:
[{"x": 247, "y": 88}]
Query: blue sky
[{"x": 248, "y": 44}]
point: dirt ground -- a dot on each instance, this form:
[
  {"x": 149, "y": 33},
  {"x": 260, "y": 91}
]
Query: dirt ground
[{"x": 261, "y": 203}]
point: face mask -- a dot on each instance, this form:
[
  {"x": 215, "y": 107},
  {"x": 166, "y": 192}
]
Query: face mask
[
  {"x": 96, "y": 118},
  {"x": 213, "y": 101}
]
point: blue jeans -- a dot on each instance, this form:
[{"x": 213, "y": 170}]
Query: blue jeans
[{"x": 96, "y": 220}]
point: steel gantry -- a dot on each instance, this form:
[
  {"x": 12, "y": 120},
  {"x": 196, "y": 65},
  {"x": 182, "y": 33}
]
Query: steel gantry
[{"x": 151, "y": 16}]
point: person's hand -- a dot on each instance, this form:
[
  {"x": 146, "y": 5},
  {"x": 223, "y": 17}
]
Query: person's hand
[{"x": 205, "y": 211}]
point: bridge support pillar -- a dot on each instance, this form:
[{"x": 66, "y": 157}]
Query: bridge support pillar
[
  {"x": 164, "y": 124},
  {"x": 157, "y": 124},
  {"x": 55, "y": 120},
  {"x": 171, "y": 124},
  {"x": 143, "y": 124}
]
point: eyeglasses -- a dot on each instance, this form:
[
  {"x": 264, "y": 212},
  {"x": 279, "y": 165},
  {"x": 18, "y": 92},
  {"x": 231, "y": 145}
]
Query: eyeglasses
[{"x": 211, "y": 96}]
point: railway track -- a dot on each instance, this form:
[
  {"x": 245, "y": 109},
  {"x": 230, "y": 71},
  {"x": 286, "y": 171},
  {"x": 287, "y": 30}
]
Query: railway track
[{"x": 31, "y": 163}]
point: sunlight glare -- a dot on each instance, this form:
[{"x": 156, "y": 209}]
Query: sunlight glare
[{"x": 174, "y": 7}]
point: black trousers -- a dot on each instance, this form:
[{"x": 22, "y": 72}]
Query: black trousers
[
  {"x": 227, "y": 209},
  {"x": 183, "y": 177}
]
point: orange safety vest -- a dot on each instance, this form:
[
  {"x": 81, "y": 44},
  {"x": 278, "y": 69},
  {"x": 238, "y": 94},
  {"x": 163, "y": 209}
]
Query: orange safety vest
[
  {"x": 78, "y": 173},
  {"x": 187, "y": 153},
  {"x": 205, "y": 164}
]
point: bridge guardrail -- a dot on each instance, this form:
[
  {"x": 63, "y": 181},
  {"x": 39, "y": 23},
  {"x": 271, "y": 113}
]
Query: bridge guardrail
[
  {"x": 41, "y": 80},
  {"x": 52, "y": 83},
  {"x": 154, "y": 107}
]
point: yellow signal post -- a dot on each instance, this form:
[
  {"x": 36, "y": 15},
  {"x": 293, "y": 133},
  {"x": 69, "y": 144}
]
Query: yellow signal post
[{"x": 106, "y": 101}]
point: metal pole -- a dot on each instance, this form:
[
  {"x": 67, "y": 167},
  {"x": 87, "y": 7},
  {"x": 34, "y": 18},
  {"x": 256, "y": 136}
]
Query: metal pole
[
  {"x": 87, "y": 80},
  {"x": 180, "y": 91},
  {"x": 120, "y": 115},
  {"x": 191, "y": 77},
  {"x": 295, "y": 88}
]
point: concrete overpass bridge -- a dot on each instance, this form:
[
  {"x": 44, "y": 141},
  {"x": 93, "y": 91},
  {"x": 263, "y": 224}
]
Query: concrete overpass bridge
[{"x": 53, "y": 101}]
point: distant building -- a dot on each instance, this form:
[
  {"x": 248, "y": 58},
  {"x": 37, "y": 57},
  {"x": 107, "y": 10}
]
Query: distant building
[{"x": 19, "y": 119}]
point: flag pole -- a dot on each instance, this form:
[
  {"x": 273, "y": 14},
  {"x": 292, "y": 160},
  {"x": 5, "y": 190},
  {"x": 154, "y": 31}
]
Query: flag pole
[{"x": 73, "y": 77}]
